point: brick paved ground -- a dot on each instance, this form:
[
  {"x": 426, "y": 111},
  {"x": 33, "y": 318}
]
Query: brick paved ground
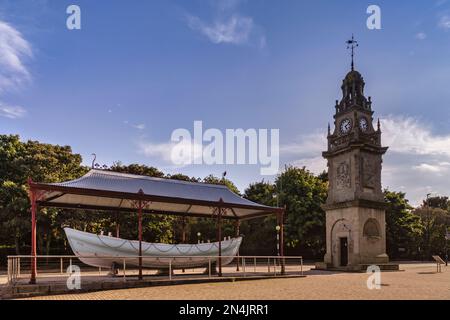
[{"x": 418, "y": 281}]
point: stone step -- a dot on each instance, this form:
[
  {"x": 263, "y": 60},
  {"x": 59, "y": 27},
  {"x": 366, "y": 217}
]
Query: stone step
[
  {"x": 358, "y": 268},
  {"x": 383, "y": 266}
]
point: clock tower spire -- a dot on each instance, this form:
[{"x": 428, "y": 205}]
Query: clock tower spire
[{"x": 352, "y": 44}]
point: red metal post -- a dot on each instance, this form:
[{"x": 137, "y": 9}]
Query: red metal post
[
  {"x": 140, "y": 238},
  {"x": 183, "y": 230},
  {"x": 183, "y": 233},
  {"x": 281, "y": 223},
  {"x": 140, "y": 234},
  {"x": 238, "y": 224},
  {"x": 33, "y": 236},
  {"x": 117, "y": 225},
  {"x": 219, "y": 236}
]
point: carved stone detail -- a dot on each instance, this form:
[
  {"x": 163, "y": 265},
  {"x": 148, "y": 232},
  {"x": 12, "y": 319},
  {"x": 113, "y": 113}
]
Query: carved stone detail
[
  {"x": 343, "y": 175},
  {"x": 369, "y": 171}
]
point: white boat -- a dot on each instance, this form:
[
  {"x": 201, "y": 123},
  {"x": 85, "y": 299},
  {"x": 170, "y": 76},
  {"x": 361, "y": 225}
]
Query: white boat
[{"x": 106, "y": 252}]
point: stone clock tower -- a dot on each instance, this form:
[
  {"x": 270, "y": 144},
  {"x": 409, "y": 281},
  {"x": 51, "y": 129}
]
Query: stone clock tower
[{"x": 355, "y": 208}]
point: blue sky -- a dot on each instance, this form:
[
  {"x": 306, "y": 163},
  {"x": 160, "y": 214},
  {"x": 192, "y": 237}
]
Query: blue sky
[{"x": 137, "y": 70}]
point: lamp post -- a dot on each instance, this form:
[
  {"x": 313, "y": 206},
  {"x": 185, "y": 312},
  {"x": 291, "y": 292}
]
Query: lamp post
[
  {"x": 447, "y": 238},
  {"x": 198, "y": 236},
  {"x": 278, "y": 228}
]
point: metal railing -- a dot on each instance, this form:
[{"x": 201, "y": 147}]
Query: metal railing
[{"x": 19, "y": 267}]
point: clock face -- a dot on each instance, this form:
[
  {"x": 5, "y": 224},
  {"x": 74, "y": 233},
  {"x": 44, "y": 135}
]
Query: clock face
[
  {"x": 346, "y": 125},
  {"x": 363, "y": 124}
]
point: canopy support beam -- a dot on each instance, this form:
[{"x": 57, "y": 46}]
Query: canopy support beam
[
  {"x": 140, "y": 233},
  {"x": 280, "y": 221},
  {"x": 117, "y": 224},
  {"x": 32, "y": 196},
  {"x": 238, "y": 225},
  {"x": 219, "y": 234},
  {"x": 183, "y": 232}
]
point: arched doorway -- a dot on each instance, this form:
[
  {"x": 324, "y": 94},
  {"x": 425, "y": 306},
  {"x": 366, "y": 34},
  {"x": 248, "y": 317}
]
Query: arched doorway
[{"x": 341, "y": 243}]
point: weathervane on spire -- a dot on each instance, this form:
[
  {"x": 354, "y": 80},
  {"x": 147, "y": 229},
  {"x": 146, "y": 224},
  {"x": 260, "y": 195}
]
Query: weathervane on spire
[{"x": 352, "y": 44}]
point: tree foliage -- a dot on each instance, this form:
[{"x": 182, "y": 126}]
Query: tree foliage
[
  {"x": 303, "y": 194},
  {"x": 403, "y": 227},
  {"x": 260, "y": 233},
  {"x": 41, "y": 162},
  {"x": 434, "y": 221}
]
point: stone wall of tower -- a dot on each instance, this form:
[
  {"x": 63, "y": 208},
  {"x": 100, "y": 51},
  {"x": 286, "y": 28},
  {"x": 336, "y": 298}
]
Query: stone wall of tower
[
  {"x": 372, "y": 246},
  {"x": 354, "y": 175},
  {"x": 350, "y": 223}
]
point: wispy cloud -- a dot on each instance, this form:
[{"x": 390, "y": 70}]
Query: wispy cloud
[
  {"x": 228, "y": 26},
  {"x": 315, "y": 165},
  {"x": 225, "y": 5},
  {"x": 444, "y": 22},
  {"x": 14, "y": 49},
  {"x": 307, "y": 151},
  {"x": 185, "y": 152},
  {"x": 407, "y": 135},
  {"x": 234, "y": 30},
  {"x": 440, "y": 3},
  {"x": 11, "y": 112},
  {"x": 421, "y": 36},
  {"x": 140, "y": 126},
  {"x": 308, "y": 144},
  {"x": 439, "y": 168}
]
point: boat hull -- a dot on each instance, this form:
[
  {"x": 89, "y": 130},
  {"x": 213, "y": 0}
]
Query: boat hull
[{"x": 106, "y": 252}]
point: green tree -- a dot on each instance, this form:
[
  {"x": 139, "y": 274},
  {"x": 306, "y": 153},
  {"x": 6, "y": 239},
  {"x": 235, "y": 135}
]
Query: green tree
[
  {"x": 182, "y": 177},
  {"x": 403, "y": 227},
  {"x": 137, "y": 169},
  {"x": 207, "y": 226},
  {"x": 434, "y": 223},
  {"x": 260, "y": 233},
  {"x": 40, "y": 162},
  {"x": 223, "y": 181},
  {"x": 14, "y": 217},
  {"x": 437, "y": 202},
  {"x": 303, "y": 195},
  {"x": 11, "y": 152},
  {"x": 323, "y": 176}
]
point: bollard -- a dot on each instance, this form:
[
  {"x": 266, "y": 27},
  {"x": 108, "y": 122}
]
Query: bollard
[
  {"x": 170, "y": 269},
  {"x": 61, "y": 265},
  {"x": 254, "y": 264}
]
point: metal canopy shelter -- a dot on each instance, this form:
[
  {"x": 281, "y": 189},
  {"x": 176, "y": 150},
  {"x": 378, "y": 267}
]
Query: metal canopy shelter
[{"x": 112, "y": 191}]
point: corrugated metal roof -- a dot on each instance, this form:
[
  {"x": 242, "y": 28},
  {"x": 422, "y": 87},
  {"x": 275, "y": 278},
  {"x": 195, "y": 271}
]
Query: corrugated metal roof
[{"x": 112, "y": 190}]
